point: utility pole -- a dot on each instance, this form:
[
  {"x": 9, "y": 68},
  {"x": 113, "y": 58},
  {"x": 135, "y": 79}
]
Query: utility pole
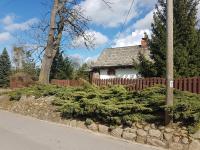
[{"x": 169, "y": 97}]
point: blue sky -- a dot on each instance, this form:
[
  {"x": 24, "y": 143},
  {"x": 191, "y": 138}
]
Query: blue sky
[{"x": 16, "y": 16}]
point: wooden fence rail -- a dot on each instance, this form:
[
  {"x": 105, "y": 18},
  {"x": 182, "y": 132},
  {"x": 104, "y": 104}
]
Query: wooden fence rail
[
  {"x": 184, "y": 84},
  {"x": 67, "y": 82}
]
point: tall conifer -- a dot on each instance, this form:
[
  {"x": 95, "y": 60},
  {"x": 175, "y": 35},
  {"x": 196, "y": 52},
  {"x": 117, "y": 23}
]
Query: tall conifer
[
  {"x": 5, "y": 68},
  {"x": 61, "y": 68},
  {"x": 186, "y": 37}
]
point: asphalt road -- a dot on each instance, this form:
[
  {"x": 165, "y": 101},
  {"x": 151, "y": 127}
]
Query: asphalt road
[{"x": 25, "y": 133}]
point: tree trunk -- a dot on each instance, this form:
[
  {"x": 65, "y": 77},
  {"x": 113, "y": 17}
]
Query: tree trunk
[
  {"x": 45, "y": 69},
  {"x": 50, "y": 51},
  {"x": 60, "y": 16}
]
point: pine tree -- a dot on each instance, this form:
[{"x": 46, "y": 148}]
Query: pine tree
[
  {"x": 61, "y": 68},
  {"x": 83, "y": 72},
  {"x": 186, "y": 37},
  {"x": 194, "y": 63},
  {"x": 145, "y": 67},
  {"x": 5, "y": 68}
]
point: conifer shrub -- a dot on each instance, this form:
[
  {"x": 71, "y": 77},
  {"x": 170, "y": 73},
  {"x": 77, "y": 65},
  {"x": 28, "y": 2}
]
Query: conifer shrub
[{"x": 116, "y": 106}]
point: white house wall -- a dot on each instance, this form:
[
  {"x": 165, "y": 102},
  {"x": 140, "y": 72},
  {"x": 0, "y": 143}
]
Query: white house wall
[{"x": 119, "y": 73}]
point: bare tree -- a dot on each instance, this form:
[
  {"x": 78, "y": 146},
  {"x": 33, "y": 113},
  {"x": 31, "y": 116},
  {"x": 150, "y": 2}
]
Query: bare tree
[
  {"x": 66, "y": 17},
  {"x": 66, "y": 24}
]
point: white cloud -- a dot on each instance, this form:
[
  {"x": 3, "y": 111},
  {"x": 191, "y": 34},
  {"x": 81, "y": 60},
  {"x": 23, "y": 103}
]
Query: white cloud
[
  {"x": 75, "y": 56},
  {"x": 5, "y": 36},
  {"x": 90, "y": 60},
  {"x": 19, "y": 26},
  {"x": 80, "y": 59},
  {"x": 145, "y": 23},
  {"x": 130, "y": 40},
  {"x": 9, "y": 26},
  {"x": 102, "y": 15},
  {"x": 8, "y": 19},
  {"x": 97, "y": 39},
  {"x": 76, "y": 60}
]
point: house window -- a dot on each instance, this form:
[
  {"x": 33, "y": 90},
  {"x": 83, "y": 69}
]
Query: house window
[{"x": 111, "y": 71}]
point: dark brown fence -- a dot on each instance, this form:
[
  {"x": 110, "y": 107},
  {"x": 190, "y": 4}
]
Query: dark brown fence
[
  {"x": 184, "y": 84},
  {"x": 67, "y": 82},
  {"x": 20, "y": 80}
]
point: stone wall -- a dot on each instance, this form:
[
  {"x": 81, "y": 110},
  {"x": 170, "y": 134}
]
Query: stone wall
[
  {"x": 3, "y": 91},
  {"x": 174, "y": 137}
]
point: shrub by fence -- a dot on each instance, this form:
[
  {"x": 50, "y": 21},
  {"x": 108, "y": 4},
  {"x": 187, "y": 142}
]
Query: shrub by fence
[
  {"x": 67, "y": 82},
  {"x": 183, "y": 84}
]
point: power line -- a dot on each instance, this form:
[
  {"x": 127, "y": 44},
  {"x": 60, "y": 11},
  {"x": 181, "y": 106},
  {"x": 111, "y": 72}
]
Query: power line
[
  {"x": 124, "y": 23},
  {"x": 107, "y": 4}
]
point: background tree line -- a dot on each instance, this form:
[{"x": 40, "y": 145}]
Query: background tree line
[
  {"x": 65, "y": 68},
  {"x": 62, "y": 67}
]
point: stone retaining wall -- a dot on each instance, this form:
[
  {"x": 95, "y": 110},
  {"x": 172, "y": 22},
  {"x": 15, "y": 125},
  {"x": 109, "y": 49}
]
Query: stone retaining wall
[
  {"x": 2, "y": 91},
  {"x": 174, "y": 137}
]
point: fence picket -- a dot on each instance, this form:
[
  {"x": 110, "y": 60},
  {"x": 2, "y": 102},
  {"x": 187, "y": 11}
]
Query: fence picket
[
  {"x": 189, "y": 84},
  {"x": 194, "y": 87},
  {"x": 184, "y": 84},
  {"x": 198, "y": 85}
]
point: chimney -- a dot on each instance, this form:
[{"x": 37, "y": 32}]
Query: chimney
[{"x": 144, "y": 42}]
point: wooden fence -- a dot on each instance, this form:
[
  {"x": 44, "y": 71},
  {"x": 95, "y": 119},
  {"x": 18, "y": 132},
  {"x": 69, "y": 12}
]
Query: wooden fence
[
  {"x": 20, "y": 80},
  {"x": 183, "y": 84},
  {"x": 67, "y": 82}
]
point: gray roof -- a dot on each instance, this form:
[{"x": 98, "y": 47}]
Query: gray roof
[{"x": 120, "y": 56}]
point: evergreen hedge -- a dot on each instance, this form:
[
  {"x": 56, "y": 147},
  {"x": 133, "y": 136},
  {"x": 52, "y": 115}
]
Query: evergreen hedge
[{"x": 116, "y": 106}]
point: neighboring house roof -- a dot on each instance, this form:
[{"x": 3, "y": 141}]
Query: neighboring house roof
[{"x": 120, "y": 56}]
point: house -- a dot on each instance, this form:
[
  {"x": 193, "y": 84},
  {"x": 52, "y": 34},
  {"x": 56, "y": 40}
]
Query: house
[{"x": 118, "y": 62}]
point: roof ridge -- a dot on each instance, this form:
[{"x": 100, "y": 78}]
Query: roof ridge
[{"x": 123, "y": 47}]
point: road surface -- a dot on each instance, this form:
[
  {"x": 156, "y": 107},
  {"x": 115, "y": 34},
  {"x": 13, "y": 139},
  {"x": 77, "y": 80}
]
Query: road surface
[{"x": 25, "y": 133}]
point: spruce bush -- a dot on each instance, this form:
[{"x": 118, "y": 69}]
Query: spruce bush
[{"x": 116, "y": 106}]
